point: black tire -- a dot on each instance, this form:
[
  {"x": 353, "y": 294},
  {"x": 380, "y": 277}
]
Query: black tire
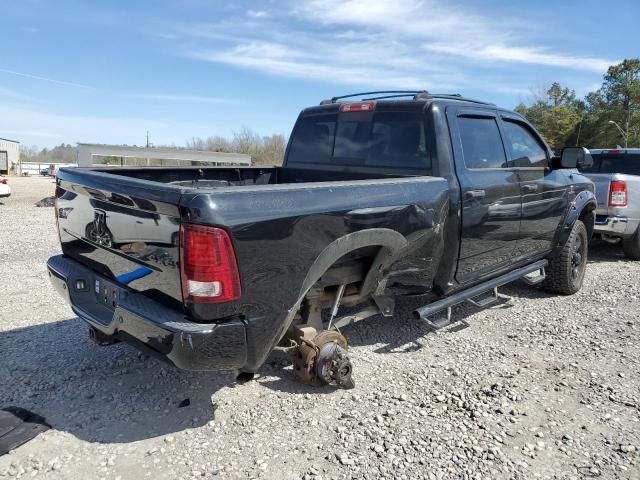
[
  {"x": 631, "y": 246},
  {"x": 566, "y": 269}
]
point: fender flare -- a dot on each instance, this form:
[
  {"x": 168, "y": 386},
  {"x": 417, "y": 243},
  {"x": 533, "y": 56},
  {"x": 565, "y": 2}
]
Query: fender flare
[
  {"x": 583, "y": 201},
  {"x": 390, "y": 241}
]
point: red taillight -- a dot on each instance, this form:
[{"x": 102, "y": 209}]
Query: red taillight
[
  {"x": 613, "y": 151},
  {"x": 3, "y": 181},
  {"x": 618, "y": 193},
  {"x": 358, "y": 107},
  {"x": 208, "y": 265}
]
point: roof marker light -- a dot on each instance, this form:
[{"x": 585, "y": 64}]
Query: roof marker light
[{"x": 358, "y": 107}]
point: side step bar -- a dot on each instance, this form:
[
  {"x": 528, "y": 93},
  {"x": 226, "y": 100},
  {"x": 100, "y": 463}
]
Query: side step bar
[{"x": 470, "y": 293}]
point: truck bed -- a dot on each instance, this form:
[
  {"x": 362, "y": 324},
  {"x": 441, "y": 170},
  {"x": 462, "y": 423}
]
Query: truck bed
[
  {"x": 214, "y": 177},
  {"x": 124, "y": 224}
]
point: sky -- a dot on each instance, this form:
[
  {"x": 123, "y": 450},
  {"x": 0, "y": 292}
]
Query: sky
[{"x": 108, "y": 72}]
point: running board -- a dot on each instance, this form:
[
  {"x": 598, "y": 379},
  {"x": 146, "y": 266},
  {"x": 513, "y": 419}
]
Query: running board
[{"x": 471, "y": 293}]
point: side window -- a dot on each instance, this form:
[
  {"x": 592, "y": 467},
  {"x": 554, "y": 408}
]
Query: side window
[
  {"x": 312, "y": 140},
  {"x": 527, "y": 151},
  {"x": 481, "y": 143}
]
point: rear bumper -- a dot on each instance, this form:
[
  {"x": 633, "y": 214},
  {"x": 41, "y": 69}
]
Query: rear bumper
[
  {"x": 616, "y": 225},
  {"x": 136, "y": 319}
]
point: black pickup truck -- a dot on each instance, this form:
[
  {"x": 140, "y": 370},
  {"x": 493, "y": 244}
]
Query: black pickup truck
[{"x": 398, "y": 193}]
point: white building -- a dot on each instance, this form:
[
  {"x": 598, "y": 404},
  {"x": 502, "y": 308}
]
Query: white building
[
  {"x": 89, "y": 154},
  {"x": 9, "y": 155}
]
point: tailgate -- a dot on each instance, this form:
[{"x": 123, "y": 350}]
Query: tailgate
[{"x": 122, "y": 228}]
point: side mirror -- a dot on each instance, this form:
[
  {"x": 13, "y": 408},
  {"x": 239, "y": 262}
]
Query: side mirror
[{"x": 575, "y": 157}]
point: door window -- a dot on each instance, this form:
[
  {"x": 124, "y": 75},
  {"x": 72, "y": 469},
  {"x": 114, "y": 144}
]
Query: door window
[
  {"x": 526, "y": 149},
  {"x": 481, "y": 143}
]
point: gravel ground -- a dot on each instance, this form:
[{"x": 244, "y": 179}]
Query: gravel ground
[{"x": 536, "y": 387}]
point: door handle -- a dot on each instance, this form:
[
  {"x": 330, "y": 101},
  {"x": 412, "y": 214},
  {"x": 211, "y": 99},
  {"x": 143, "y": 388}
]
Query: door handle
[
  {"x": 530, "y": 188},
  {"x": 477, "y": 194}
]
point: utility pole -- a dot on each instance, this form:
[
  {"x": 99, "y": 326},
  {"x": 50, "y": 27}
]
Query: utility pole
[
  {"x": 148, "y": 144},
  {"x": 622, "y": 132}
]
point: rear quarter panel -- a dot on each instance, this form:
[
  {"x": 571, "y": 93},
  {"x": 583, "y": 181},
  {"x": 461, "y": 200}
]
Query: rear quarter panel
[{"x": 279, "y": 231}]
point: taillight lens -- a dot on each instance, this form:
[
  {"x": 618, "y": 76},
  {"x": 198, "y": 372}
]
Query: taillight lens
[
  {"x": 618, "y": 193},
  {"x": 208, "y": 265},
  {"x": 3, "y": 181}
]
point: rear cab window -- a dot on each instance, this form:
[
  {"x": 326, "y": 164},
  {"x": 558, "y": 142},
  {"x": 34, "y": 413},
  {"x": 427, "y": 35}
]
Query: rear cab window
[
  {"x": 625, "y": 163},
  {"x": 389, "y": 138}
]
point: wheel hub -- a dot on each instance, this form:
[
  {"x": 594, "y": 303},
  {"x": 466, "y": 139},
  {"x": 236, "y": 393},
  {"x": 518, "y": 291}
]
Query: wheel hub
[
  {"x": 322, "y": 358},
  {"x": 576, "y": 259}
]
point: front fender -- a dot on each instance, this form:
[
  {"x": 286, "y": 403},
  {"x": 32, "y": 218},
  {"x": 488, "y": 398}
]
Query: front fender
[{"x": 583, "y": 206}]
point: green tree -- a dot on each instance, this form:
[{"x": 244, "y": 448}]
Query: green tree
[
  {"x": 556, "y": 113},
  {"x": 617, "y": 100},
  {"x": 621, "y": 89}
]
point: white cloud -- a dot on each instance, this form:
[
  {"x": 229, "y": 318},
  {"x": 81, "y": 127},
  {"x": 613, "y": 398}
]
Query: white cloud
[
  {"x": 452, "y": 31},
  {"x": 385, "y": 43},
  {"x": 5, "y": 92},
  {"x": 531, "y": 55},
  {"x": 334, "y": 65},
  {"x": 45, "y": 79},
  {"x": 258, "y": 14}
]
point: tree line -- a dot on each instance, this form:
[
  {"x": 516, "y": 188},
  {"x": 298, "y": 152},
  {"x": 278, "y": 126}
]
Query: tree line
[
  {"x": 264, "y": 150},
  {"x": 606, "y": 118},
  {"x": 63, "y": 153}
]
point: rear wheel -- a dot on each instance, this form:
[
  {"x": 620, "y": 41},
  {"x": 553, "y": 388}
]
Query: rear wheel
[
  {"x": 631, "y": 246},
  {"x": 101, "y": 238},
  {"x": 566, "y": 269}
]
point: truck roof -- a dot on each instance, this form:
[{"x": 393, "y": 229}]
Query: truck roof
[
  {"x": 416, "y": 95},
  {"x": 396, "y": 98}
]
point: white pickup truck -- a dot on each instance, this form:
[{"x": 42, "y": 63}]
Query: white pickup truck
[{"x": 616, "y": 174}]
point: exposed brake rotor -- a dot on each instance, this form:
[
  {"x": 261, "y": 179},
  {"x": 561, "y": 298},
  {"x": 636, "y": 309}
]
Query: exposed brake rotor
[{"x": 322, "y": 358}]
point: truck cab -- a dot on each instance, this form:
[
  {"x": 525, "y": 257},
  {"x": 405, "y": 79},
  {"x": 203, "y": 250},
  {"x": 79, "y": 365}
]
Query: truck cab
[{"x": 380, "y": 194}]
